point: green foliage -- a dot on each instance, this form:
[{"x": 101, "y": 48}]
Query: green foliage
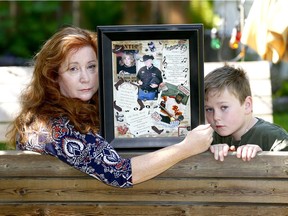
[
  {"x": 3, "y": 146},
  {"x": 26, "y": 25},
  {"x": 202, "y": 12},
  {"x": 281, "y": 119},
  {"x": 283, "y": 91},
  {"x": 23, "y": 33},
  {"x": 95, "y": 13}
]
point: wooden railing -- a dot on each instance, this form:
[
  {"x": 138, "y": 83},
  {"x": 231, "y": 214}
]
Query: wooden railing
[{"x": 32, "y": 184}]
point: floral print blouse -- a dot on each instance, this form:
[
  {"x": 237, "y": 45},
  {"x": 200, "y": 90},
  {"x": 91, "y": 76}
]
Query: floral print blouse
[{"x": 89, "y": 153}]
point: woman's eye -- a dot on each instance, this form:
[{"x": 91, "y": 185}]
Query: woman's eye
[
  {"x": 73, "y": 69},
  {"x": 224, "y": 107},
  {"x": 92, "y": 67}
]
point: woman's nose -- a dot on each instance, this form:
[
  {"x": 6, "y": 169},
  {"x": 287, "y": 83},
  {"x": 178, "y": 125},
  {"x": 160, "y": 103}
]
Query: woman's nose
[{"x": 84, "y": 76}]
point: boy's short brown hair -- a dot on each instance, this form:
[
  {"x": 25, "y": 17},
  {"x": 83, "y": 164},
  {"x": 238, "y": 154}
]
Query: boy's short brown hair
[{"x": 234, "y": 79}]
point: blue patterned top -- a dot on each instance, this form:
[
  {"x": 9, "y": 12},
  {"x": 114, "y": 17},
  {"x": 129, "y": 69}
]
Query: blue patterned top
[{"x": 89, "y": 153}]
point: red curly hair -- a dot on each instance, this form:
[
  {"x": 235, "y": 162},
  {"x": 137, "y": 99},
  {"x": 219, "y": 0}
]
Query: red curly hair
[{"x": 42, "y": 100}]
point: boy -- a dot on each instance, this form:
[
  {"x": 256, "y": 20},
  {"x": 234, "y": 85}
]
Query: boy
[{"x": 229, "y": 110}]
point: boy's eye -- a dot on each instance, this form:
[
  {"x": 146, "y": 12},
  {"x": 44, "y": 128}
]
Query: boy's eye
[
  {"x": 209, "y": 110},
  {"x": 224, "y": 107}
]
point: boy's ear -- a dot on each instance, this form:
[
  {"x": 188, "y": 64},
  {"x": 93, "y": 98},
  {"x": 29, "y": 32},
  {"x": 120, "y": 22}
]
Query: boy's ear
[{"x": 248, "y": 104}]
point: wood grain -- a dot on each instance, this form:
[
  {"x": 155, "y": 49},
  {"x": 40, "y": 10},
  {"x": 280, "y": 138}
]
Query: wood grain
[{"x": 32, "y": 184}]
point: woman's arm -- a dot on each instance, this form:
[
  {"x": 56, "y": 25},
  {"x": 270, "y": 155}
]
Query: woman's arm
[{"x": 147, "y": 166}]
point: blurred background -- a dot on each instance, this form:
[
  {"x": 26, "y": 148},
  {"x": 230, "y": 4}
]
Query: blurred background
[{"x": 26, "y": 25}]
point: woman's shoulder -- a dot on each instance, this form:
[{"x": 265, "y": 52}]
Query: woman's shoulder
[
  {"x": 63, "y": 128},
  {"x": 61, "y": 120}
]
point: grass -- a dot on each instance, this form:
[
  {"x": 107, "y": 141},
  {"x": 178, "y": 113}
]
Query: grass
[
  {"x": 281, "y": 119},
  {"x": 2, "y": 146}
]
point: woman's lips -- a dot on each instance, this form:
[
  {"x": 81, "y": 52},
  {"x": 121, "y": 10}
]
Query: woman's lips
[{"x": 86, "y": 90}]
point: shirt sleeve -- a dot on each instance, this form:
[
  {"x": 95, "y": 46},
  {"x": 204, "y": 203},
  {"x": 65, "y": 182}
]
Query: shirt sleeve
[{"x": 89, "y": 153}]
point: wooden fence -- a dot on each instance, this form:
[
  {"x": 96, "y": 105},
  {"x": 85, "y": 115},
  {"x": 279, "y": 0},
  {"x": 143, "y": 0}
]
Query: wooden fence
[{"x": 32, "y": 184}]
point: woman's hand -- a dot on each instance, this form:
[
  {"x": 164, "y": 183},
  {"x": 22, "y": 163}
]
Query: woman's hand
[
  {"x": 199, "y": 139},
  {"x": 149, "y": 165}
]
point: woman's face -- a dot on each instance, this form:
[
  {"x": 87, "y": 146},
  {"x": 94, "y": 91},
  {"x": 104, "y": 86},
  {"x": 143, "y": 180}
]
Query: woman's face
[
  {"x": 128, "y": 60},
  {"x": 78, "y": 74}
]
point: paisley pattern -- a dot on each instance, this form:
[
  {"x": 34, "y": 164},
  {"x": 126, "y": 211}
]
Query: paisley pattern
[
  {"x": 72, "y": 146},
  {"x": 89, "y": 153}
]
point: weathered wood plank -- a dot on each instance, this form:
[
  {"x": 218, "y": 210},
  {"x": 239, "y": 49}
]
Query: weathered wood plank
[
  {"x": 206, "y": 190},
  {"x": 33, "y": 184},
  {"x": 168, "y": 190},
  {"x": 265, "y": 165},
  {"x": 139, "y": 209}
]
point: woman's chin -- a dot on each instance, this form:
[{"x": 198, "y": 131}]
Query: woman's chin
[{"x": 85, "y": 98}]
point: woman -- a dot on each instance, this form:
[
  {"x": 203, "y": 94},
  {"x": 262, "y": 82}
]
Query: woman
[
  {"x": 59, "y": 116},
  {"x": 127, "y": 64}
]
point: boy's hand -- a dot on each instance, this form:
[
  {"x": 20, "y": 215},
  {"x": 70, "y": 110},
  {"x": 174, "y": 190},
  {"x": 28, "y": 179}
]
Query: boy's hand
[
  {"x": 220, "y": 151},
  {"x": 247, "y": 152}
]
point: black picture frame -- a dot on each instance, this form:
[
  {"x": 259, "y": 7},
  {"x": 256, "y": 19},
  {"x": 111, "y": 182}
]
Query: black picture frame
[{"x": 113, "y": 40}]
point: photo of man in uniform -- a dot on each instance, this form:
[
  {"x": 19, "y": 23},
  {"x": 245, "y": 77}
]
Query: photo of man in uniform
[{"x": 149, "y": 78}]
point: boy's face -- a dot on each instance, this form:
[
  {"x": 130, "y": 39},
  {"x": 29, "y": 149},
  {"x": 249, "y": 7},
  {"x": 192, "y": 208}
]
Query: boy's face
[{"x": 225, "y": 113}]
